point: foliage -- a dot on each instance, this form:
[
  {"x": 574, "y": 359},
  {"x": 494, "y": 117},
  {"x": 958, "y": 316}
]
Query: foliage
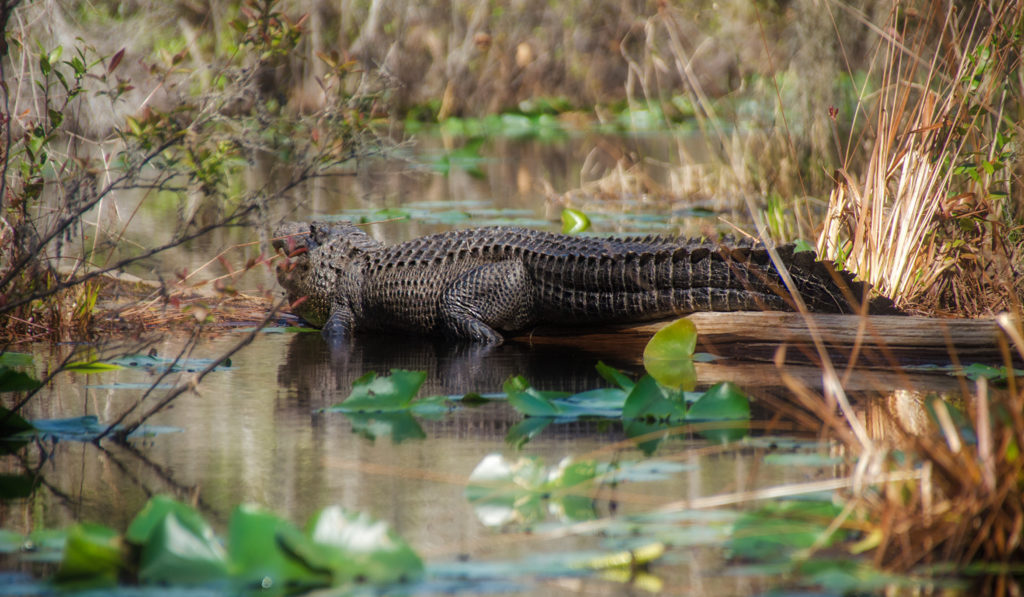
[
  {"x": 169, "y": 543},
  {"x": 190, "y": 147},
  {"x": 387, "y": 406}
]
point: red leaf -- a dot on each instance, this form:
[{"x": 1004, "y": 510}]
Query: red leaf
[{"x": 116, "y": 60}]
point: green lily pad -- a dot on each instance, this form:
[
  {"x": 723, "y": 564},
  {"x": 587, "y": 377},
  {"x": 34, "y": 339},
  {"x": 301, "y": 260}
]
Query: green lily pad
[
  {"x": 92, "y": 555},
  {"x": 393, "y": 392},
  {"x": 175, "y": 553},
  {"x": 15, "y": 359},
  {"x": 614, "y": 376},
  {"x": 668, "y": 356},
  {"x": 723, "y": 400},
  {"x": 529, "y": 401},
  {"x": 524, "y": 491},
  {"x": 649, "y": 401},
  {"x": 91, "y": 367},
  {"x": 358, "y": 547},
  {"x": 268, "y": 551},
  {"x": 777, "y": 529},
  {"x": 574, "y": 221},
  {"x": 398, "y": 425}
]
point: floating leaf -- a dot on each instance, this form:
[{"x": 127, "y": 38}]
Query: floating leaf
[
  {"x": 614, "y": 376},
  {"x": 528, "y": 401},
  {"x": 358, "y": 547},
  {"x": 503, "y": 491},
  {"x": 668, "y": 356},
  {"x": 268, "y": 551},
  {"x": 380, "y": 394},
  {"x": 11, "y": 542},
  {"x": 92, "y": 555},
  {"x": 177, "y": 552},
  {"x": 523, "y": 431},
  {"x": 158, "y": 508},
  {"x": 723, "y": 400},
  {"x": 649, "y": 401},
  {"x": 399, "y": 425},
  {"x": 777, "y": 529},
  {"x": 15, "y": 359},
  {"x": 574, "y": 221},
  {"x": 91, "y": 367},
  {"x": 993, "y": 374}
]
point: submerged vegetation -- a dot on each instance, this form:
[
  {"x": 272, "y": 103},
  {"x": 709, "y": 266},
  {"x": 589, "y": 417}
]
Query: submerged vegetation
[{"x": 887, "y": 133}]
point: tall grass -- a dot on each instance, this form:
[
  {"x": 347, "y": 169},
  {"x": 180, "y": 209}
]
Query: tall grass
[{"x": 928, "y": 221}]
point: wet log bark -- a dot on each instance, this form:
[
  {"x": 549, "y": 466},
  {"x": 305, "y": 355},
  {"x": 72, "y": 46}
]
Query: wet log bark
[{"x": 877, "y": 340}]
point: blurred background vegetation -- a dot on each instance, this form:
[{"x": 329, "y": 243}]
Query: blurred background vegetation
[{"x": 809, "y": 109}]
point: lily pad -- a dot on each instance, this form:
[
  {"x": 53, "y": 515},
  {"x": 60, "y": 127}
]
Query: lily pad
[
  {"x": 668, "y": 356},
  {"x": 357, "y": 547},
  {"x": 15, "y": 359},
  {"x": 574, "y": 221},
  {"x": 92, "y": 555}
]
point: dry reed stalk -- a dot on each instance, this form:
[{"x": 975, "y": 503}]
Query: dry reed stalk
[{"x": 903, "y": 226}]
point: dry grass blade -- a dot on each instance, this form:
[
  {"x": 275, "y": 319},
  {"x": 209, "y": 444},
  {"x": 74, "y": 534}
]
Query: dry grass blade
[{"x": 917, "y": 223}]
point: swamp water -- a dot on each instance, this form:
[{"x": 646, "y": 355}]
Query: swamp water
[{"x": 254, "y": 433}]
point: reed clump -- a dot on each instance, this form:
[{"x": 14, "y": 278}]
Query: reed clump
[{"x": 934, "y": 219}]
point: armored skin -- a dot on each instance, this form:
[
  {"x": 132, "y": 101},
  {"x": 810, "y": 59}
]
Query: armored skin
[{"x": 478, "y": 284}]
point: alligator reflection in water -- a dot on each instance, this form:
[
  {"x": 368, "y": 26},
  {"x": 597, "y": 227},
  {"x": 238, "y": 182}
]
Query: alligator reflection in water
[
  {"x": 318, "y": 375},
  {"x": 321, "y": 374}
]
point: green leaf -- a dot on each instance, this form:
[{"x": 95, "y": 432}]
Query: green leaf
[
  {"x": 723, "y": 400},
  {"x": 176, "y": 554},
  {"x": 668, "y": 356},
  {"x": 92, "y": 554},
  {"x": 993, "y": 374},
  {"x": 11, "y": 542},
  {"x": 648, "y": 401},
  {"x": 15, "y": 381},
  {"x": 614, "y": 376},
  {"x": 525, "y": 491},
  {"x": 392, "y": 392},
  {"x": 356, "y": 547},
  {"x": 15, "y": 359},
  {"x": 267, "y": 551},
  {"x": 777, "y": 529},
  {"x": 574, "y": 221},
  {"x": 91, "y": 367},
  {"x": 156, "y": 509},
  {"x": 529, "y": 401}
]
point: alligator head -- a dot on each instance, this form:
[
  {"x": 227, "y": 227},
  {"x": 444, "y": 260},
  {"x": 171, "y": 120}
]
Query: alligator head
[{"x": 316, "y": 256}]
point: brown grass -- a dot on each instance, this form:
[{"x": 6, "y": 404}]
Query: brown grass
[{"x": 927, "y": 222}]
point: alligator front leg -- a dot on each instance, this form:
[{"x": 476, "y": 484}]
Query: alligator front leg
[
  {"x": 487, "y": 298},
  {"x": 339, "y": 323}
]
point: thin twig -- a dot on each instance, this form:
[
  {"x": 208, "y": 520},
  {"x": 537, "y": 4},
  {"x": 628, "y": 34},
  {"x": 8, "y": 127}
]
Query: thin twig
[{"x": 193, "y": 382}]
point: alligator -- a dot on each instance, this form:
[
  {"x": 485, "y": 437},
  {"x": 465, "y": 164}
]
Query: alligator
[{"x": 479, "y": 284}]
